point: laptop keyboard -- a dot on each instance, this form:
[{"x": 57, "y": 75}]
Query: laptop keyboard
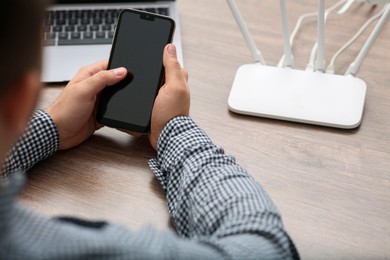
[{"x": 82, "y": 27}]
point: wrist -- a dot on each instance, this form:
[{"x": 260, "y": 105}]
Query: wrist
[
  {"x": 62, "y": 138},
  {"x": 156, "y": 131},
  {"x": 50, "y": 112},
  {"x": 38, "y": 142},
  {"x": 176, "y": 126}
]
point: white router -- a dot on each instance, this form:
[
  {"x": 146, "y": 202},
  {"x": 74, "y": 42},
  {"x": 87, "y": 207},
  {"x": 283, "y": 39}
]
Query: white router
[
  {"x": 284, "y": 93},
  {"x": 296, "y": 95}
]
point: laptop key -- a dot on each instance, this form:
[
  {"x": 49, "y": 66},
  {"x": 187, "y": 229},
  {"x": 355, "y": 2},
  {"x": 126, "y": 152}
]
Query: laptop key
[
  {"x": 110, "y": 20},
  {"x": 84, "y": 41},
  {"x": 58, "y": 14},
  {"x": 63, "y": 35},
  {"x": 85, "y": 21},
  {"x": 57, "y": 28},
  {"x": 163, "y": 11},
  {"x": 96, "y": 13},
  {"x": 75, "y": 35},
  {"x": 85, "y": 13},
  {"x": 100, "y": 35},
  {"x": 94, "y": 27},
  {"x": 88, "y": 35},
  {"x": 60, "y": 21},
  {"x": 106, "y": 27},
  {"x": 75, "y": 14},
  {"x": 150, "y": 10},
  {"x": 81, "y": 28},
  {"x": 69, "y": 28},
  {"x": 67, "y": 15},
  {"x": 72, "y": 21},
  {"x": 115, "y": 12},
  {"x": 97, "y": 20}
]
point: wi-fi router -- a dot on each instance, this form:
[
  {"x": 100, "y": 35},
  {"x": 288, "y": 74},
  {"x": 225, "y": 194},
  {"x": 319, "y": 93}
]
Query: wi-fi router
[
  {"x": 304, "y": 96},
  {"x": 299, "y": 96}
]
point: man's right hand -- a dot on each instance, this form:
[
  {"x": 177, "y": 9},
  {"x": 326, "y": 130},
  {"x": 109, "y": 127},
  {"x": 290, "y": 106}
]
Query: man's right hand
[{"x": 173, "y": 99}]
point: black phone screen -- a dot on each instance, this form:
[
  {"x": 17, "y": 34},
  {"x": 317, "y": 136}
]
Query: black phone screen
[{"x": 138, "y": 46}]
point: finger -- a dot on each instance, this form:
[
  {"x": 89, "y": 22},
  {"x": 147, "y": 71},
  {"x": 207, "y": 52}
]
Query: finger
[
  {"x": 96, "y": 83},
  {"x": 173, "y": 70},
  {"x": 89, "y": 71}
]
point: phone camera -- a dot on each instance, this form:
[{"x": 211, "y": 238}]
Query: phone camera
[{"x": 148, "y": 17}]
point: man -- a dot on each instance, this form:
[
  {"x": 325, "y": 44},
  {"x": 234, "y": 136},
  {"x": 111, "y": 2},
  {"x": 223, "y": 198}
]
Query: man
[{"x": 219, "y": 210}]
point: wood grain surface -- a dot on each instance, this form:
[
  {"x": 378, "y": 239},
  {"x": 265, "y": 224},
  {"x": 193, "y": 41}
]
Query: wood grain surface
[{"x": 331, "y": 186}]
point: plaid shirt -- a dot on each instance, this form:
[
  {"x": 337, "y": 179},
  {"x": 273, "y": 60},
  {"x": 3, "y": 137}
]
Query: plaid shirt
[{"x": 219, "y": 210}]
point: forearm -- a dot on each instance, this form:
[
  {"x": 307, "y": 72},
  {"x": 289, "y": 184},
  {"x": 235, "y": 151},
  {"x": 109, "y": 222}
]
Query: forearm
[
  {"x": 210, "y": 196},
  {"x": 39, "y": 142}
]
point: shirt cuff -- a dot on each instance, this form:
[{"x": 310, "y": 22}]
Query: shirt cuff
[
  {"x": 39, "y": 142},
  {"x": 177, "y": 137}
]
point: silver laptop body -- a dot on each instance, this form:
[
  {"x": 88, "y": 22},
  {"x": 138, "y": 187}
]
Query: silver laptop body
[{"x": 79, "y": 33}]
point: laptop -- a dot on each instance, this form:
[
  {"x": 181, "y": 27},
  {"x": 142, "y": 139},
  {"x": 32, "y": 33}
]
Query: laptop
[{"x": 79, "y": 33}]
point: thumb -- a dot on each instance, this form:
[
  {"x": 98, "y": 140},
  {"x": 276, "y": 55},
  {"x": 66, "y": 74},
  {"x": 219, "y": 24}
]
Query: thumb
[
  {"x": 104, "y": 78},
  {"x": 171, "y": 64}
]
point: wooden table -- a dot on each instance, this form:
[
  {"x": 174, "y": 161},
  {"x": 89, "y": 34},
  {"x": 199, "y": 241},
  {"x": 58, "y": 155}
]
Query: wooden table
[{"x": 331, "y": 186}]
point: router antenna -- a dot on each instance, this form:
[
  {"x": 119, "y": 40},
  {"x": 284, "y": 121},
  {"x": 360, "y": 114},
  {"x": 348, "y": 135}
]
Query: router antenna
[
  {"x": 298, "y": 25},
  {"x": 320, "y": 65},
  {"x": 288, "y": 60},
  {"x": 256, "y": 54},
  {"x": 330, "y": 68},
  {"x": 346, "y": 6},
  {"x": 310, "y": 66},
  {"x": 355, "y": 65}
]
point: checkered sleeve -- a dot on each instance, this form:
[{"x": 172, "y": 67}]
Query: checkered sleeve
[
  {"x": 39, "y": 142},
  {"x": 211, "y": 198}
]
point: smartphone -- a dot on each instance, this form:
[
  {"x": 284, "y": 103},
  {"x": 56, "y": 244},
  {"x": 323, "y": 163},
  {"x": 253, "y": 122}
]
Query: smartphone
[{"x": 138, "y": 45}]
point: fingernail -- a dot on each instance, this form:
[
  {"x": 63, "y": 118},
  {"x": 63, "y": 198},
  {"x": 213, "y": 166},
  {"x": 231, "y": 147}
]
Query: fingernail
[
  {"x": 119, "y": 72},
  {"x": 172, "y": 50}
]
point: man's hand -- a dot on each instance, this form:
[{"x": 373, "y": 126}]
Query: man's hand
[
  {"x": 75, "y": 110},
  {"x": 173, "y": 99}
]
